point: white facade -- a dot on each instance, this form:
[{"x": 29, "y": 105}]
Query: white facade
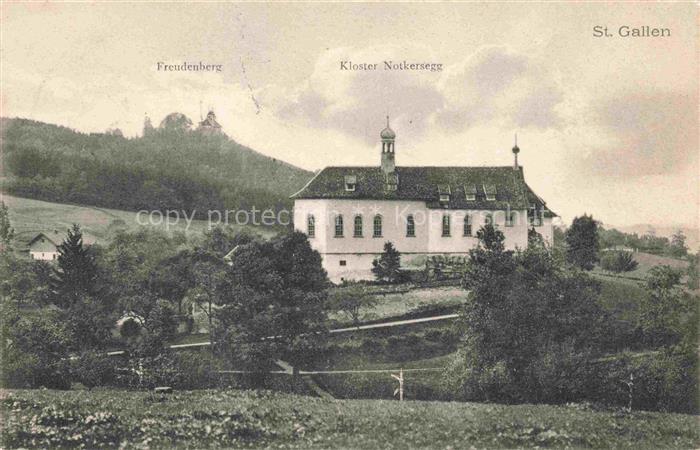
[
  {"x": 43, "y": 249},
  {"x": 350, "y": 256}
]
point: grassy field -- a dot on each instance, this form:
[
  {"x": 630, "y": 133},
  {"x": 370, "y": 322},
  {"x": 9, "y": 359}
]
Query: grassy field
[
  {"x": 397, "y": 304},
  {"x": 245, "y": 419},
  {"x": 29, "y": 217},
  {"x": 646, "y": 261}
]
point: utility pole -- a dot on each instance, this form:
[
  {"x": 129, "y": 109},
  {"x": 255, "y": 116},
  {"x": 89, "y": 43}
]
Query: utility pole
[{"x": 399, "y": 391}]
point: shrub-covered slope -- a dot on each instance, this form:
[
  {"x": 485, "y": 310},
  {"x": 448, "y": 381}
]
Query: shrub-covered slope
[{"x": 235, "y": 419}]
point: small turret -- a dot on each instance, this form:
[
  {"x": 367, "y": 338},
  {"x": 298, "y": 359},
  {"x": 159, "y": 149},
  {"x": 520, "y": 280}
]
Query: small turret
[
  {"x": 516, "y": 150},
  {"x": 388, "y": 136},
  {"x": 209, "y": 125}
]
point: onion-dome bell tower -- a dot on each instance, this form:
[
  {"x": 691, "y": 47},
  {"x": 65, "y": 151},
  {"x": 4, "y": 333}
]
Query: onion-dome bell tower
[
  {"x": 388, "y": 137},
  {"x": 516, "y": 150}
]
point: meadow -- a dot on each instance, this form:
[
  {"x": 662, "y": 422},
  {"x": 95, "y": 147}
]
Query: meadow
[
  {"x": 29, "y": 217},
  {"x": 256, "y": 419}
]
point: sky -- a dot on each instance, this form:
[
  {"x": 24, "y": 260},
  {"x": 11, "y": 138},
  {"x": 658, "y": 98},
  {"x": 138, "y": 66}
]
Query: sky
[{"x": 606, "y": 125}]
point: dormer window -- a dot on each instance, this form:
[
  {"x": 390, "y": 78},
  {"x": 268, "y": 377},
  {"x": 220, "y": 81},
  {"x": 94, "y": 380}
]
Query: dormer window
[
  {"x": 444, "y": 192},
  {"x": 470, "y": 192},
  {"x": 350, "y": 183},
  {"x": 490, "y": 191}
]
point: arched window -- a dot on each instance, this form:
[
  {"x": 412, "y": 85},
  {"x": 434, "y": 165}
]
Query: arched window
[
  {"x": 467, "y": 225},
  {"x": 445, "y": 225},
  {"x": 311, "y": 226},
  {"x": 357, "y": 229},
  {"x": 339, "y": 225},
  {"x": 410, "y": 226},
  {"x": 488, "y": 219},
  {"x": 377, "y": 222}
]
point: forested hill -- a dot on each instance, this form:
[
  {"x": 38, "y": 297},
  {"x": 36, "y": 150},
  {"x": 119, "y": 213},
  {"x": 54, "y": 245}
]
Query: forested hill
[{"x": 170, "y": 167}]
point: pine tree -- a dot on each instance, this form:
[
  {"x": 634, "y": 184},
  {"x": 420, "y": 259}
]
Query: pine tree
[
  {"x": 388, "y": 266},
  {"x": 76, "y": 274}
]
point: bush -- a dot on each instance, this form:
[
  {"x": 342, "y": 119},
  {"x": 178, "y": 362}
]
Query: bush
[
  {"x": 186, "y": 370},
  {"x": 197, "y": 370},
  {"x": 130, "y": 329},
  {"x": 34, "y": 351},
  {"x": 93, "y": 369},
  {"x": 618, "y": 262},
  {"x": 665, "y": 381}
]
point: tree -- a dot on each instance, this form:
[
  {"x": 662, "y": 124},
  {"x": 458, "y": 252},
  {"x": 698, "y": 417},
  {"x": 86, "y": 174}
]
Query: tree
[
  {"x": 508, "y": 355},
  {"x": 275, "y": 307},
  {"x": 491, "y": 238},
  {"x": 534, "y": 238},
  {"x": 210, "y": 282},
  {"x": 618, "y": 262},
  {"x": 664, "y": 313},
  {"x": 388, "y": 266},
  {"x": 176, "y": 123},
  {"x": 678, "y": 248},
  {"x": 34, "y": 349},
  {"x": 582, "y": 242},
  {"x": 76, "y": 274},
  {"x": 172, "y": 278},
  {"x": 351, "y": 301},
  {"x": 24, "y": 282},
  {"x": 7, "y": 233}
]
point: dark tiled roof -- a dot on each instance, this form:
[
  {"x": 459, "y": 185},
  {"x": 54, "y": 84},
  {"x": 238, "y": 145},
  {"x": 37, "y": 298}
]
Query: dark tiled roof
[
  {"x": 426, "y": 184},
  {"x": 37, "y": 236}
]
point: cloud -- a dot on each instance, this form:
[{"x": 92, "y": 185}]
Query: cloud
[
  {"x": 494, "y": 84},
  {"x": 647, "y": 133},
  {"x": 498, "y": 84},
  {"x": 355, "y": 102}
]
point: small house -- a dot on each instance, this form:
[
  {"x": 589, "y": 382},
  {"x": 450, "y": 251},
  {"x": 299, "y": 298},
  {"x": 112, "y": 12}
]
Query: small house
[{"x": 42, "y": 247}]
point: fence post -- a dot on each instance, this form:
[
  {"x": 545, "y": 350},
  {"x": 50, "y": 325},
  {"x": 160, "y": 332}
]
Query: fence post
[{"x": 399, "y": 391}]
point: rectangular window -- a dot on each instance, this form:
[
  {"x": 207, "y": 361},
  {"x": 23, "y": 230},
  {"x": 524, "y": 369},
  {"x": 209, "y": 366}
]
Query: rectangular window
[
  {"x": 511, "y": 218},
  {"x": 311, "y": 226},
  {"x": 343, "y": 262},
  {"x": 445, "y": 225}
]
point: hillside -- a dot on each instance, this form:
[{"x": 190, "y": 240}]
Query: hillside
[
  {"x": 170, "y": 168},
  {"x": 263, "y": 419},
  {"x": 29, "y": 217},
  {"x": 647, "y": 261}
]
